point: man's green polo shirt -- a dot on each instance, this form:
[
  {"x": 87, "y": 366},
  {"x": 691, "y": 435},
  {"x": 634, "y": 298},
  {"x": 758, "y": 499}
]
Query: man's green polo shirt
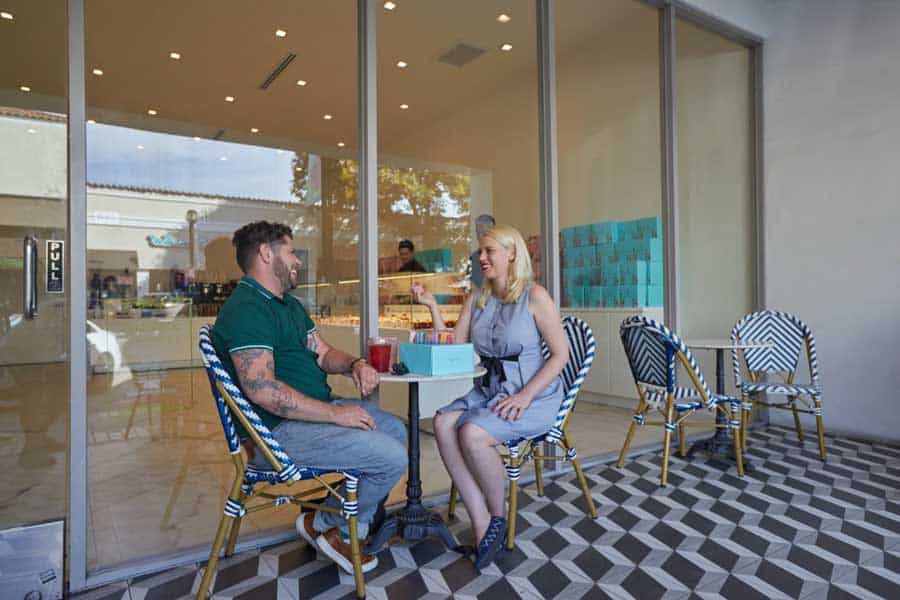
[{"x": 253, "y": 317}]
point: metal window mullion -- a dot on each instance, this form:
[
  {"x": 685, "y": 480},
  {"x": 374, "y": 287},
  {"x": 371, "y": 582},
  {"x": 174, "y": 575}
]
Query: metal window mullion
[
  {"x": 547, "y": 159},
  {"x": 759, "y": 190},
  {"x": 77, "y": 291},
  {"x": 368, "y": 171},
  {"x": 669, "y": 164}
]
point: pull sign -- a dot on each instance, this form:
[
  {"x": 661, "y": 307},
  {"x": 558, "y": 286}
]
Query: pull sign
[{"x": 55, "y": 266}]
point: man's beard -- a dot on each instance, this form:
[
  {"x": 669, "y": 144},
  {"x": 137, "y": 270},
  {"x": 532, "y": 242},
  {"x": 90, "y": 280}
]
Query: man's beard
[{"x": 283, "y": 273}]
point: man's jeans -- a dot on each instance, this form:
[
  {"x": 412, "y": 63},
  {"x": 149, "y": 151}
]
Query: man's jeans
[{"x": 379, "y": 455}]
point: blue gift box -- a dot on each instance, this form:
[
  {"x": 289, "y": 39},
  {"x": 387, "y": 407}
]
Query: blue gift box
[
  {"x": 583, "y": 235},
  {"x": 604, "y": 233},
  {"x": 437, "y": 359},
  {"x": 654, "y": 295},
  {"x": 655, "y": 273},
  {"x": 607, "y": 254},
  {"x": 593, "y": 296},
  {"x": 634, "y": 273}
]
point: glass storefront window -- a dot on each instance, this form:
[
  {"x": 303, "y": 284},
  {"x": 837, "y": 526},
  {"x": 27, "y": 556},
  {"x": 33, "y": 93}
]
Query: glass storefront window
[
  {"x": 191, "y": 136},
  {"x": 457, "y": 106}
]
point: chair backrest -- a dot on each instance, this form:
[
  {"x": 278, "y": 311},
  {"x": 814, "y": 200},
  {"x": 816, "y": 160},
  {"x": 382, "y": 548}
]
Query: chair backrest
[
  {"x": 216, "y": 372},
  {"x": 652, "y": 348},
  {"x": 785, "y": 332},
  {"x": 582, "y": 348}
]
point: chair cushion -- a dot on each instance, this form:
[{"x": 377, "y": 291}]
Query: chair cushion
[{"x": 790, "y": 389}]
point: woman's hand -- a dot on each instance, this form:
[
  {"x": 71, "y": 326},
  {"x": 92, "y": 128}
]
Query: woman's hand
[
  {"x": 512, "y": 407},
  {"x": 423, "y": 296}
]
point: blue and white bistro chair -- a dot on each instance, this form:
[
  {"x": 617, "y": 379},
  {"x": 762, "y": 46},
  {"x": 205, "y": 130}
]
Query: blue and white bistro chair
[
  {"x": 251, "y": 483},
  {"x": 654, "y": 352},
  {"x": 581, "y": 355},
  {"x": 787, "y": 335}
]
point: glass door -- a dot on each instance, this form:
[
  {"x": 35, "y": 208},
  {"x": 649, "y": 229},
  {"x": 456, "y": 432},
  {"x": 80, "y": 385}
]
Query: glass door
[{"x": 34, "y": 383}]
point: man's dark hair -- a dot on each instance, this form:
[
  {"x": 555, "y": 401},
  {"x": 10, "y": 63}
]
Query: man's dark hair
[
  {"x": 406, "y": 244},
  {"x": 247, "y": 240}
]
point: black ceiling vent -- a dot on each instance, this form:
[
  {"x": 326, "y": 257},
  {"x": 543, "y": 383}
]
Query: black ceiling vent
[
  {"x": 277, "y": 70},
  {"x": 460, "y": 55}
]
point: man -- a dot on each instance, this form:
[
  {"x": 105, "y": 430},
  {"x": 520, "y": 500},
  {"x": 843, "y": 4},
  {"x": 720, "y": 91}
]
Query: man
[
  {"x": 271, "y": 347},
  {"x": 483, "y": 224},
  {"x": 407, "y": 252}
]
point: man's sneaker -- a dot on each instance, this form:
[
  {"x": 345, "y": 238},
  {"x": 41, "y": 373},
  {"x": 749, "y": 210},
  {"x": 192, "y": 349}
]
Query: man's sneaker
[
  {"x": 305, "y": 527},
  {"x": 332, "y": 546},
  {"x": 491, "y": 543}
]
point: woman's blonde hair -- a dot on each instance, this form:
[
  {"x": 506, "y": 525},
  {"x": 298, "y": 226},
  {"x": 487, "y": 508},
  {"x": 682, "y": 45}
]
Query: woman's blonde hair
[{"x": 520, "y": 272}]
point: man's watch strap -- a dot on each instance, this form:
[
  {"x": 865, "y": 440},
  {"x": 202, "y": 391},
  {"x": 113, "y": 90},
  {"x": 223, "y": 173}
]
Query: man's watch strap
[{"x": 354, "y": 361}]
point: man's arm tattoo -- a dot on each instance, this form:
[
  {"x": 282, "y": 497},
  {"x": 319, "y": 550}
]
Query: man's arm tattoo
[{"x": 254, "y": 377}]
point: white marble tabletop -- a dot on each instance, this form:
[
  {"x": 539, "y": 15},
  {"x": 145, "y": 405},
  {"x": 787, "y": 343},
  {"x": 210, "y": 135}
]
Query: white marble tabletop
[
  {"x": 726, "y": 344},
  {"x": 417, "y": 378}
]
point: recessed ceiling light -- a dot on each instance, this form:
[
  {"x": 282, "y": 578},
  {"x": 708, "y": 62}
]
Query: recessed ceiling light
[
  {"x": 30, "y": 130},
  {"x": 280, "y": 151},
  {"x": 504, "y": 18},
  {"x": 152, "y": 112},
  {"x": 506, "y": 47},
  {"x": 402, "y": 64},
  {"x": 342, "y": 144},
  {"x": 24, "y": 88},
  {"x": 404, "y": 106},
  {"x": 91, "y": 121},
  {"x": 254, "y": 130},
  {"x": 175, "y": 55},
  {"x": 280, "y": 33},
  {"x": 229, "y": 98},
  {"x": 224, "y": 158},
  {"x": 6, "y": 15},
  {"x": 389, "y": 6},
  {"x": 140, "y": 147},
  {"x": 301, "y": 82},
  {"x": 327, "y": 117},
  {"x": 298, "y": 168},
  {"x": 97, "y": 71},
  {"x": 196, "y": 138}
]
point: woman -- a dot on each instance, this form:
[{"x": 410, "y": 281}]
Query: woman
[{"x": 521, "y": 393}]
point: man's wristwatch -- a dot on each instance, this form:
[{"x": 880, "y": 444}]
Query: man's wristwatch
[{"x": 354, "y": 361}]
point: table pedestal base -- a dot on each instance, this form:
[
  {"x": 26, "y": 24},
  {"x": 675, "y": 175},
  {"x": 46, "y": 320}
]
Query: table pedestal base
[
  {"x": 721, "y": 447},
  {"x": 414, "y": 523}
]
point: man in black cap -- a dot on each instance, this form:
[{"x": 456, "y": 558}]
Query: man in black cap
[{"x": 407, "y": 252}]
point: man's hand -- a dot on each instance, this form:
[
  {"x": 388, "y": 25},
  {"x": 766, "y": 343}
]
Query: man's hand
[
  {"x": 353, "y": 416},
  {"x": 365, "y": 378},
  {"x": 512, "y": 407}
]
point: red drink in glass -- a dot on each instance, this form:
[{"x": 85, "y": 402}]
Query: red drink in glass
[{"x": 380, "y": 357}]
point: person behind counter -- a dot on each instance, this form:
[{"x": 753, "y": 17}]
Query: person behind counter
[
  {"x": 407, "y": 251},
  {"x": 271, "y": 347},
  {"x": 482, "y": 224},
  {"x": 521, "y": 393}
]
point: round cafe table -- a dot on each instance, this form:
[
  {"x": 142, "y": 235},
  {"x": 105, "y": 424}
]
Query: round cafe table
[
  {"x": 719, "y": 445},
  {"x": 414, "y": 521}
]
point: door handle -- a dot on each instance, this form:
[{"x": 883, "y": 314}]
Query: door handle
[{"x": 29, "y": 271}]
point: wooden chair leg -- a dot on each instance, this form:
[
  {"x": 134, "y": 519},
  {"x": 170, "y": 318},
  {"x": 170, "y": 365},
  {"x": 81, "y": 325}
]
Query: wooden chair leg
[
  {"x": 235, "y": 529},
  {"x": 355, "y": 553},
  {"x": 513, "y": 504},
  {"x": 682, "y": 444},
  {"x": 820, "y": 428},
  {"x": 745, "y": 421},
  {"x": 451, "y": 510},
  {"x": 588, "y": 499},
  {"x": 793, "y": 400},
  {"x": 539, "y": 468},
  {"x": 667, "y": 442},
  {"x": 735, "y": 415},
  {"x": 224, "y": 524},
  {"x": 630, "y": 434}
]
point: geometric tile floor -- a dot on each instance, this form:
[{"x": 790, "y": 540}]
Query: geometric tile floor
[{"x": 793, "y": 528}]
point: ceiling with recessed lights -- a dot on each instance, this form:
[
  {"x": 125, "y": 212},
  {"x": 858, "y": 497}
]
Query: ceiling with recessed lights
[{"x": 196, "y": 68}]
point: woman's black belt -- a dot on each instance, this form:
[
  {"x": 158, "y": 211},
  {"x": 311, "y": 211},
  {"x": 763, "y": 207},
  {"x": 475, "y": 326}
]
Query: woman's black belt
[{"x": 494, "y": 366}]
